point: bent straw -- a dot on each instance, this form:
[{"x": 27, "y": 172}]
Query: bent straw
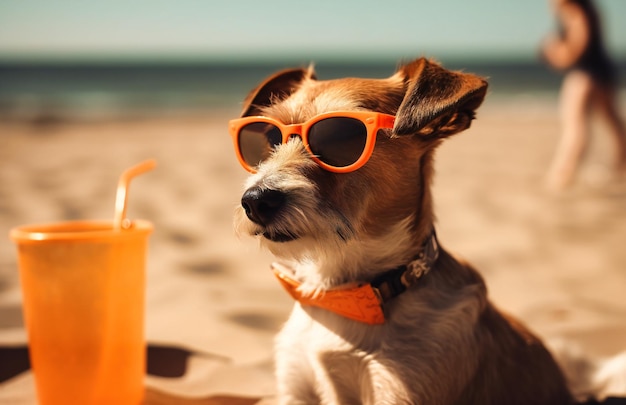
[{"x": 119, "y": 220}]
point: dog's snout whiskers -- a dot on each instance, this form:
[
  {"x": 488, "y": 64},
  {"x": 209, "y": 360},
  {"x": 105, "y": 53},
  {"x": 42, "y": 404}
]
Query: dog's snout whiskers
[{"x": 261, "y": 205}]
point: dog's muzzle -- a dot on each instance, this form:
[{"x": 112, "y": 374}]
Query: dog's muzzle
[{"x": 262, "y": 206}]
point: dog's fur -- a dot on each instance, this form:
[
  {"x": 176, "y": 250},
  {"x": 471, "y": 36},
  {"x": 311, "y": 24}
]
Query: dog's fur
[{"x": 443, "y": 342}]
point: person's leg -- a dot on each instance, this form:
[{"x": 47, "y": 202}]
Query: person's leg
[
  {"x": 574, "y": 103},
  {"x": 607, "y": 105}
]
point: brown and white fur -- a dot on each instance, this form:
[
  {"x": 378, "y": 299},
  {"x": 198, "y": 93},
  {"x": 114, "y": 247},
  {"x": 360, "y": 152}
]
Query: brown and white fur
[{"x": 443, "y": 341}]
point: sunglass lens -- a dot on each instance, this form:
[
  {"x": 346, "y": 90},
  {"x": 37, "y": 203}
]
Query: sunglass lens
[
  {"x": 338, "y": 141},
  {"x": 256, "y": 141}
]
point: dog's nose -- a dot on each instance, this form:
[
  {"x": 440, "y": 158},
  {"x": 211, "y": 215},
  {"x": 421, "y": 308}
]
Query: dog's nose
[{"x": 261, "y": 204}]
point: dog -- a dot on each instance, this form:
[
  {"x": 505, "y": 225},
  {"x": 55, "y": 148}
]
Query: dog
[{"x": 340, "y": 192}]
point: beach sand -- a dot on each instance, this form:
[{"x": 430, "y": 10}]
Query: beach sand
[{"x": 557, "y": 261}]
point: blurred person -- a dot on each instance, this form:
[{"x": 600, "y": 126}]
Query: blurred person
[{"x": 590, "y": 82}]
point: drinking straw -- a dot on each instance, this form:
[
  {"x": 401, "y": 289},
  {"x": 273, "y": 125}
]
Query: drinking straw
[{"x": 119, "y": 220}]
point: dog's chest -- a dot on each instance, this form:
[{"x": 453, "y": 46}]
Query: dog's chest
[
  {"x": 334, "y": 355},
  {"x": 327, "y": 340},
  {"x": 318, "y": 330}
]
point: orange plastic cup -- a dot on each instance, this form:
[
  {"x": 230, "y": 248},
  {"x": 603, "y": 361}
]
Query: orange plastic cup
[{"x": 83, "y": 286}]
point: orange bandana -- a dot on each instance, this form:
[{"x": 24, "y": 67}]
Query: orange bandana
[
  {"x": 359, "y": 302},
  {"x": 363, "y": 302}
]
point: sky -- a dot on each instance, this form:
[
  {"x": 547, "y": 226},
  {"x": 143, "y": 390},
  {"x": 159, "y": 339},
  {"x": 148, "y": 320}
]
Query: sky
[{"x": 247, "y": 29}]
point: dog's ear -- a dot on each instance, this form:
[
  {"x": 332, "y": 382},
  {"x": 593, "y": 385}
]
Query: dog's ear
[
  {"x": 275, "y": 88},
  {"x": 437, "y": 102}
]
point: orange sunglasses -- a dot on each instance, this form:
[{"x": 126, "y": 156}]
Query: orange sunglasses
[{"x": 340, "y": 141}]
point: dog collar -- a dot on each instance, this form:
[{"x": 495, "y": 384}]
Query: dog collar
[{"x": 364, "y": 302}]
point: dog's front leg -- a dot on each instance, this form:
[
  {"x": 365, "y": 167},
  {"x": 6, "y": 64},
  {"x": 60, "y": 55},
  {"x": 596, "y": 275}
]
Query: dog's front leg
[
  {"x": 384, "y": 387},
  {"x": 294, "y": 373},
  {"x": 295, "y": 380},
  {"x": 313, "y": 365}
]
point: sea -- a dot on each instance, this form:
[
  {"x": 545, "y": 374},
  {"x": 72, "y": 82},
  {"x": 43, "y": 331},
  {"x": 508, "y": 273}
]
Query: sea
[{"x": 48, "y": 92}]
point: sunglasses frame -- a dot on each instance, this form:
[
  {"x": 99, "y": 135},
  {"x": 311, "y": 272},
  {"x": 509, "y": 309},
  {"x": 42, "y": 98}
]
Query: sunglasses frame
[{"x": 373, "y": 121}]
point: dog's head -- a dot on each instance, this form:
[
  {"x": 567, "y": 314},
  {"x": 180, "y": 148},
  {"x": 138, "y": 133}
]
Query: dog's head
[{"x": 373, "y": 216}]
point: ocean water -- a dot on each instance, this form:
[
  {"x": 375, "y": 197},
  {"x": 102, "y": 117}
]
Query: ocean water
[{"x": 104, "y": 91}]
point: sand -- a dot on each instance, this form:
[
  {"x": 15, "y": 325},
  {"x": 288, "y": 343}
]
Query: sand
[{"x": 557, "y": 261}]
